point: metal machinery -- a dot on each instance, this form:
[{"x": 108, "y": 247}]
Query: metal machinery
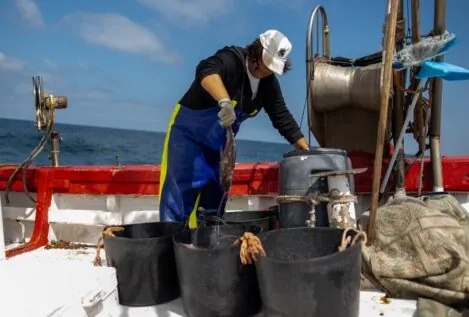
[
  {"x": 45, "y": 105},
  {"x": 344, "y": 95}
]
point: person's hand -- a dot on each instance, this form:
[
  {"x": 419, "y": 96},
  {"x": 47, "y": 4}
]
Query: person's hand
[{"x": 226, "y": 115}]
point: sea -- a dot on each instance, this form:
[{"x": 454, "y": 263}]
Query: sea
[{"x": 85, "y": 145}]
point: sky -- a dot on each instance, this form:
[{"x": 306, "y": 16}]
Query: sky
[{"x": 126, "y": 63}]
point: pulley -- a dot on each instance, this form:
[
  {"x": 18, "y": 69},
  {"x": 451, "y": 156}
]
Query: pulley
[{"x": 45, "y": 104}]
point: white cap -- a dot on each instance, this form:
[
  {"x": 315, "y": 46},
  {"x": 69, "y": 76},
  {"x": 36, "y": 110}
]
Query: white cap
[{"x": 277, "y": 47}]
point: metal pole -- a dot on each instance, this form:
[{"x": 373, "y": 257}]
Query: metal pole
[
  {"x": 399, "y": 100},
  {"x": 309, "y": 51},
  {"x": 421, "y": 119},
  {"x": 388, "y": 52},
  {"x": 435, "y": 124},
  {"x": 55, "y": 145}
]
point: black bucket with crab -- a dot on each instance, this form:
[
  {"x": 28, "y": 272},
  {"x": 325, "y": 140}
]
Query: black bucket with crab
[
  {"x": 143, "y": 256},
  {"x": 212, "y": 279},
  {"x": 305, "y": 274}
]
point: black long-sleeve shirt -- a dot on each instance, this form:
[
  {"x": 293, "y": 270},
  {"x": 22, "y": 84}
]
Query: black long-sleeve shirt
[{"x": 230, "y": 63}]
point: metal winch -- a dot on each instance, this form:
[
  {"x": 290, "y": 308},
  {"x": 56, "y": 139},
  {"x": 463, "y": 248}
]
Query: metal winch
[
  {"x": 316, "y": 189},
  {"x": 45, "y": 105}
]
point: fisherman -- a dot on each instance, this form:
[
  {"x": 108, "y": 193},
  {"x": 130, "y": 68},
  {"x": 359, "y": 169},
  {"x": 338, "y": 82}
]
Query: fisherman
[{"x": 229, "y": 87}]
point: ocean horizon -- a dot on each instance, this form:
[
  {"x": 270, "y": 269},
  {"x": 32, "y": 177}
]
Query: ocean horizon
[{"x": 91, "y": 145}]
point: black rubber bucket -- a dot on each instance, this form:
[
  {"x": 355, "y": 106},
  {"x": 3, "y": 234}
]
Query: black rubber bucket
[
  {"x": 213, "y": 281},
  {"x": 143, "y": 256},
  {"x": 264, "y": 219},
  {"x": 303, "y": 274},
  {"x": 295, "y": 215}
]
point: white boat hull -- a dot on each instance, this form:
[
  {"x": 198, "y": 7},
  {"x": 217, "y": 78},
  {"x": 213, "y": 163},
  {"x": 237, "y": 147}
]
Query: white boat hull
[{"x": 79, "y": 218}]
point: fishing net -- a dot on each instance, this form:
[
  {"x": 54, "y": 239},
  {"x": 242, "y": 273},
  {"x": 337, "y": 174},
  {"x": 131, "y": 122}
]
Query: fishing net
[
  {"x": 421, "y": 252},
  {"x": 431, "y": 308},
  {"x": 428, "y": 48}
]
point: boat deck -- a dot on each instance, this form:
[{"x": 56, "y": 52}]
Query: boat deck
[{"x": 64, "y": 282}]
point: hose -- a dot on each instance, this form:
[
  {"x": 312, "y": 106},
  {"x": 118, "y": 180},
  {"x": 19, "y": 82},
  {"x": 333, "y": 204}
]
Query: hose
[{"x": 27, "y": 162}]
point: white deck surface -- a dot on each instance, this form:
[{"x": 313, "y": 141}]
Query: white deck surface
[{"x": 65, "y": 283}]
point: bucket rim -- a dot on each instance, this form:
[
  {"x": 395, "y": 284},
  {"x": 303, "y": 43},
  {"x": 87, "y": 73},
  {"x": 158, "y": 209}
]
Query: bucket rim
[
  {"x": 311, "y": 260},
  {"x": 159, "y": 238},
  {"x": 214, "y": 219},
  {"x": 197, "y": 249},
  {"x": 267, "y": 212}
]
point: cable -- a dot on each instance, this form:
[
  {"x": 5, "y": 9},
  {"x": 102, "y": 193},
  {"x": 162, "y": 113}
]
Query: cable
[{"x": 27, "y": 162}]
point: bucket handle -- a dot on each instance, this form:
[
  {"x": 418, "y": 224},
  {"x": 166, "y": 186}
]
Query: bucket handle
[
  {"x": 204, "y": 214},
  {"x": 223, "y": 221},
  {"x": 218, "y": 219},
  {"x": 347, "y": 241}
]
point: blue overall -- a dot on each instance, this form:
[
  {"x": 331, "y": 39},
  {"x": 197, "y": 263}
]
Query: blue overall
[{"x": 190, "y": 164}]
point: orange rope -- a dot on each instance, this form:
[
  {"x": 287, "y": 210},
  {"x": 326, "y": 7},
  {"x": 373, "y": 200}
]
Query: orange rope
[
  {"x": 109, "y": 232},
  {"x": 347, "y": 241},
  {"x": 250, "y": 247}
]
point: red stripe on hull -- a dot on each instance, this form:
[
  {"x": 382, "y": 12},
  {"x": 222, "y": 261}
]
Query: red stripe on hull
[{"x": 249, "y": 178}]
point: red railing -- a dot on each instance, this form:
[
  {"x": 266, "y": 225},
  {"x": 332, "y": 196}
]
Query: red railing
[{"x": 248, "y": 179}]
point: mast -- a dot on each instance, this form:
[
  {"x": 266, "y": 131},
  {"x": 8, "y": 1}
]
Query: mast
[
  {"x": 399, "y": 101},
  {"x": 420, "y": 118},
  {"x": 388, "y": 52}
]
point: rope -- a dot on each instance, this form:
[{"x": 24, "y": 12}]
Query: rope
[
  {"x": 400, "y": 87},
  {"x": 295, "y": 199},
  {"x": 251, "y": 246},
  {"x": 109, "y": 232},
  {"x": 347, "y": 240},
  {"x": 333, "y": 196}
]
